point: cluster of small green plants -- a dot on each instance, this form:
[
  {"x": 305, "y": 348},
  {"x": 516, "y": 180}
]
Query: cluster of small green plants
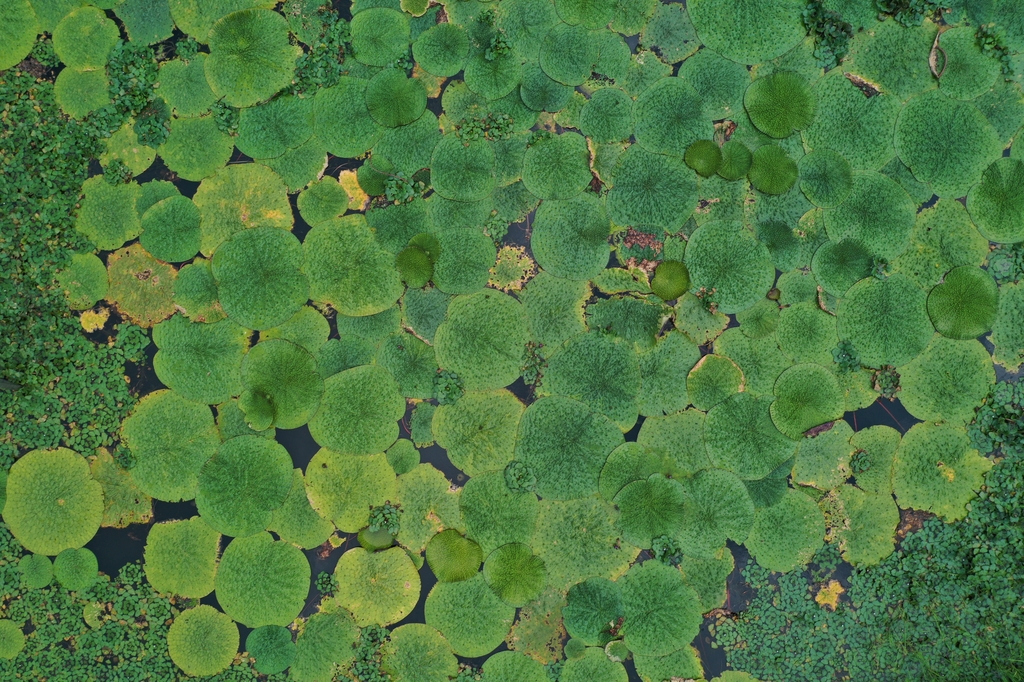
[{"x": 632, "y": 267}]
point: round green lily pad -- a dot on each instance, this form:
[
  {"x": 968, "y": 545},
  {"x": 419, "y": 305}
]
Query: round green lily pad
[
  {"x": 964, "y": 305},
  {"x": 787, "y": 534},
  {"x": 343, "y": 488},
  {"x": 823, "y": 460},
  {"x": 242, "y": 484},
  {"x": 202, "y": 641},
  {"x": 951, "y": 162},
  {"x": 394, "y": 100},
  {"x": 725, "y": 257},
  {"x": 196, "y": 148},
  {"x": 272, "y": 649},
  {"x": 607, "y": 116},
  {"x": 651, "y": 190},
  {"x": 184, "y": 87},
  {"x": 17, "y": 36},
  {"x": 369, "y": 285},
  {"x": 141, "y": 286},
  {"x": 713, "y": 379},
  {"x": 593, "y": 666},
  {"x": 599, "y": 370},
  {"x": 36, "y": 571},
  {"x": 479, "y": 430},
  {"x": 327, "y": 640},
  {"x": 568, "y": 54},
  {"x": 12, "y": 639},
  {"x": 269, "y": 130},
  {"x": 570, "y": 238},
  {"x": 592, "y": 607},
  {"x": 566, "y": 444},
  {"x": 79, "y": 92},
  {"x": 84, "y": 281},
  {"x": 967, "y": 71},
  {"x": 578, "y": 539},
  {"x": 482, "y": 339},
  {"x": 378, "y": 588},
  {"x": 342, "y": 122},
  {"x": 748, "y": 31},
  {"x": 515, "y": 574},
  {"x": 514, "y": 666},
  {"x": 108, "y": 216},
  {"x": 453, "y": 557},
  {"x": 557, "y": 167},
  {"x": 352, "y": 421},
  {"x": 650, "y": 508},
  {"x": 200, "y": 360},
  {"x": 181, "y": 557},
  {"x": 826, "y": 178},
  {"x": 771, "y": 170},
  {"x": 170, "y": 229},
  {"x": 996, "y": 203},
  {"x": 858, "y": 128},
  {"x": 495, "y": 77},
  {"x": 250, "y": 56},
  {"x": 469, "y": 615},
  {"x": 937, "y": 470},
  {"x": 780, "y": 103},
  {"x": 493, "y": 514},
  {"x": 171, "y": 438},
  {"x": 285, "y": 376},
  {"x": 76, "y": 569},
  {"x": 837, "y": 266},
  {"x": 704, "y": 156},
  {"x": 322, "y": 200},
  {"x": 807, "y": 333},
  {"x": 416, "y": 652},
  {"x": 259, "y": 277},
  {"x": 885, "y": 320},
  {"x": 877, "y": 212},
  {"x": 262, "y": 581},
  {"x": 742, "y": 438},
  {"x": 84, "y": 37},
  {"x": 241, "y": 196},
  {"x": 464, "y": 172},
  {"x": 671, "y": 280},
  {"x": 442, "y": 49},
  {"x": 806, "y": 396},
  {"x": 380, "y": 35},
  {"x": 717, "y": 507},
  {"x": 662, "y": 613},
  {"x": 668, "y": 118},
  {"x": 948, "y": 381}
]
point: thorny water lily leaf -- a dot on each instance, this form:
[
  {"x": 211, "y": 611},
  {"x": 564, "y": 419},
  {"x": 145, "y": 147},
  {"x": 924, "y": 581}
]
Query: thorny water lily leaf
[
  {"x": 202, "y": 641},
  {"x": 250, "y": 57},
  {"x": 241, "y": 485},
  {"x": 470, "y": 616},
  {"x": 262, "y": 581},
  {"x": 200, "y": 361},
  {"x": 786, "y": 535},
  {"x": 937, "y": 470},
  {"x": 53, "y": 503},
  {"x": 141, "y": 287},
  {"x": 181, "y": 557},
  {"x": 171, "y": 438},
  {"x": 241, "y": 196},
  {"x": 378, "y": 588}
]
